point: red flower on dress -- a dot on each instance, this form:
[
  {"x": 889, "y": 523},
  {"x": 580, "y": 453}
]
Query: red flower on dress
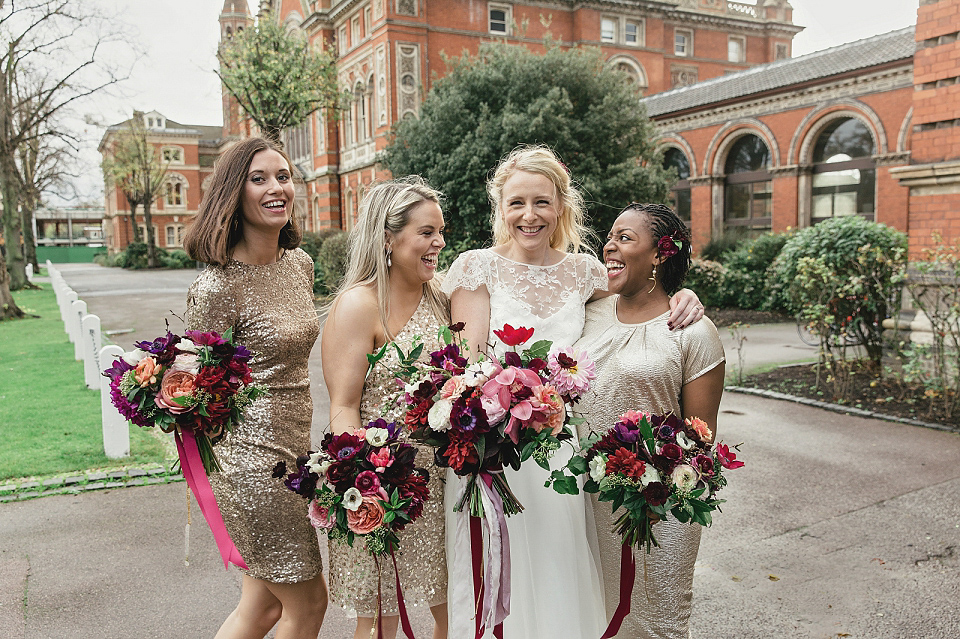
[{"x": 514, "y": 336}]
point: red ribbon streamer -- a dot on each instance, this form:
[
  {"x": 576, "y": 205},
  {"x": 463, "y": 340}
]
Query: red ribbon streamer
[
  {"x": 404, "y": 619},
  {"x": 628, "y": 572},
  {"x": 476, "y": 551},
  {"x": 192, "y": 466}
]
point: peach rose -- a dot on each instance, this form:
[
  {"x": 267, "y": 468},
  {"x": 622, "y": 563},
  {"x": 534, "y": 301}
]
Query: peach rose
[
  {"x": 367, "y": 518},
  {"x": 549, "y": 405},
  {"x": 454, "y": 387},
  {"x": 146, "y": 371},
  {"x": 700, "y": 428},
  {"x": 174, "y": 384}
]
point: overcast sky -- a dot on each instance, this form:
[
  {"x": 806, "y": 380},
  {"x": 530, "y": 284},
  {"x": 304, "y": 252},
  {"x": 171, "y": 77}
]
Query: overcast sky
[{"x": 179, "y": 38}]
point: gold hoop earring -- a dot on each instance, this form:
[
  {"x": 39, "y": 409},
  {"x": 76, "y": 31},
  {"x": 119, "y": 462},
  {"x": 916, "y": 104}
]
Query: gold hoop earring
[{"x": 653, "y": 278}]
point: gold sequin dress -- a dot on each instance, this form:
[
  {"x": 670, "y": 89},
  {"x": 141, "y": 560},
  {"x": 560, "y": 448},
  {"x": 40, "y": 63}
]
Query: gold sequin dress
[
  {"x": 643, "y": 367},
  {"x": 422, "y": 557},
  {"x": 270, "y": 308}
]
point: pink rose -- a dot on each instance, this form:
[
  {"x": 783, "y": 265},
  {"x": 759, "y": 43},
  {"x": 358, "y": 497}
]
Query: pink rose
[
  {"x": 367, "y": 517},
  {"x": 174, "y": 384},
  {"x": 367, "y": 483},
  {"x": 320, "y": 516},
  {"x": 634, "y": 416},
  {"x": 491, "y": 406},
  {"x": 188, "y": 362},
  {"x": 454, "y": 387},
  {"x": 146, "y": 371},
  {"x": 381, "y": 459}
]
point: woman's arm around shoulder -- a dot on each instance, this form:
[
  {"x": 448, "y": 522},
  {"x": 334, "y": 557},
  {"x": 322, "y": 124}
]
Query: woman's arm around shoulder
[{"x": 349, "y": 334}]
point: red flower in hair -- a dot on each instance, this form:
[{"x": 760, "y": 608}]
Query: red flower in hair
[{"x": 669, "y": 245}]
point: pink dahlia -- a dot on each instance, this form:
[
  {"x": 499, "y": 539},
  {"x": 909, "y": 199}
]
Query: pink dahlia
[{"x": 571, "y": 371}]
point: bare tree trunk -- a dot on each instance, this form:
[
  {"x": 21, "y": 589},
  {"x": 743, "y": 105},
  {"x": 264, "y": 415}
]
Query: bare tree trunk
[
  {"x": 133, "y": 221},
  {"x": 29, "y": 240},
  {"x": 151, "y": 240},
  {"x": 8, "y": 307},
  {"x": 15, "y": 264}
]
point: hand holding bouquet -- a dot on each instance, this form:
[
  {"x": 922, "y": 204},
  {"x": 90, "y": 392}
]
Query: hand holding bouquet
[
  {"x": 653, "y": 466},
  {"x": 200, "y": 382},
  {"x": 362, "y": 484}
]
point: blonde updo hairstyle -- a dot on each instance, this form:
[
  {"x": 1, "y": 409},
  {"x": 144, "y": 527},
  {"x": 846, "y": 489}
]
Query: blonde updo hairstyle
[
  {"x": 385, "y": 207},
  {"x": 540, "y": 159}
]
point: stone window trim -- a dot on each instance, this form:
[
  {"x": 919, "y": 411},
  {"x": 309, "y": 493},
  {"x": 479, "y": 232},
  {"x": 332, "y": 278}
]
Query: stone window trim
[
  {"x": 640, "y": 34},
  {"x": 342, "y": 40},
  {"x": 175, "y": 192},
  {"x": 683, "y": 42},
  {"x": 499, "y": 18},
  {"x": 636, "y": 69},
  {"x": 736, "y": 49},
  {"x": 174, "y": 235},
  {"x": 609, "y": 29},
  {"x": 172, "y": 154}
]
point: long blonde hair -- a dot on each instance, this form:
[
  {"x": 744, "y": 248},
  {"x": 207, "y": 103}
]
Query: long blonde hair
[
  {"x": 386, "y": 207},
  {"x": 571, "y": 230}
]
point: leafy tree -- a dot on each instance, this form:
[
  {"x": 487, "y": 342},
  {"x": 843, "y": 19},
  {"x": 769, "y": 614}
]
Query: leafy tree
[
  {"x": 277, "y": 76},
  {"x": 507, "y": 95},
  {"x": 135, "y": 165}
]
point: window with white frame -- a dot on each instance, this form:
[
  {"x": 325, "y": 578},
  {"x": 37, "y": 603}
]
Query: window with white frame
[
  {"x": 683, "y": 42},
  {"x": 172, "y": 155},
  {"x": 633, "y": 32},
  {"x": 342, "y": 40},
  {"x": 174, "y": 194},
  {"x": 736, "y": 49},
  {"x": 143, "y": 232},
  {"x": 367, "y": 21},
  {"x": 608, "y": 29},
  {"x": 355, "y": 34},
  {"x": 500, "y": 17},
  {"x": 174, "y": 235}
]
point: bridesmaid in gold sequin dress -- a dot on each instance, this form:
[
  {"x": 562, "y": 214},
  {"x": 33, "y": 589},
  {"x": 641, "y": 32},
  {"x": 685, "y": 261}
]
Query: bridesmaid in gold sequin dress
[
  {"x": 389, "y": 293},
  {"x": 261, "y": 285},
  {"x": 643, "y": 365}
]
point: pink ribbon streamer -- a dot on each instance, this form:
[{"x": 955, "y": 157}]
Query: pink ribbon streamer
[
  {"x": 501, "y": 607},
  {"x": 192, "y": 466}
]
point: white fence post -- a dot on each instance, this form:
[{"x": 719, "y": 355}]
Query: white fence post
[
  {"x": 29, "y": 269},
  {"x": 78, "y": 310},
  {"x": 116, "y": 433},
  {"x": 68, "y": 298},
  {"x": 90, "y": 338}
]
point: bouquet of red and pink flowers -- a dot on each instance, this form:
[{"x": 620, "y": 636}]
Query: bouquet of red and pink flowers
[
  {"x": 652, "y": 465},
  {"x": 363, "y": 484},
  {"x": 200, "y": 383},
  {"x": 494, "y": 413}
]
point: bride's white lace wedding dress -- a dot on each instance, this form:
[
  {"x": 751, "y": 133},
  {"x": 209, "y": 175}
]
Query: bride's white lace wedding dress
[{"x": 556, "y": 591}]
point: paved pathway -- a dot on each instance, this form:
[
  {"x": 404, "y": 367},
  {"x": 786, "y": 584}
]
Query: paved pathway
[{"x": 838, "y": 526}]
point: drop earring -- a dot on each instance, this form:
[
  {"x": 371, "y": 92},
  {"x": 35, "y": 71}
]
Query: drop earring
[
  {"x": 653, "y": 278},
  {"x": 389, "y": 261}
]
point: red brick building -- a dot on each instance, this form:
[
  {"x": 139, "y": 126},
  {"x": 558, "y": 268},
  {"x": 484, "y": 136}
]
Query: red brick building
[
  {"x": 390, "y": 51},
  {"x": 189, "y": 152},
  {"x": 867, "y": 128}
]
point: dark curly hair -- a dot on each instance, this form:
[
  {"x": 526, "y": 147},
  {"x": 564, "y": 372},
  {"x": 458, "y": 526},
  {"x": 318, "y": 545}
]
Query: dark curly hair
[{"x": 664, "y": 222}]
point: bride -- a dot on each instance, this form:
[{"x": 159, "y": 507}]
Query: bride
[{"x": 535, "y": 276}]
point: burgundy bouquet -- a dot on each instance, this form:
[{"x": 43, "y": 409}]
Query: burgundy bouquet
[
  {"x": 200, "y": 383},
  {"x": 362, "y": 484}
]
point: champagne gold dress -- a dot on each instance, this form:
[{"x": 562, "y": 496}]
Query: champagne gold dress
[
  {"x": 421, "y": 558},
  {"x": 270, "y": 308},
  {"x": 644, "y": 367}
]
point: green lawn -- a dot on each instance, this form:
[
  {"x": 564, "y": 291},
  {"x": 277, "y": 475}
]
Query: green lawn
[{"x": 49, "y": 420}]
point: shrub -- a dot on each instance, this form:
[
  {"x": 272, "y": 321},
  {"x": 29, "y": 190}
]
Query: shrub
[
  {"x": 313, "y": 240},
  {"x": 330, "y": 264},
  {"x": 747, "y": 265},
  {"x": 178, "y": 258},
  {"x": 706, "y": 278},
  {"x": 842, "y": 276},
  {"x": 716, "y": 249},
  {"x": 134, "y": 256}
]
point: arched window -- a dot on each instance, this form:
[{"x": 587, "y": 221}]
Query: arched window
[
  {"x": 175, "y": 192},
  {"x": 680, "y": 193},
  {"x": 844, "y": 172},
  {"x": 361, "y": 106},
  {"x": 748, "y": 188}
]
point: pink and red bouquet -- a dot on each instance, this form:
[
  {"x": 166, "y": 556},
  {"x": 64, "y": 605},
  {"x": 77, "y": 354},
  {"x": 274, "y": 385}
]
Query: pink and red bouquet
[
  {"x": 652, "y": 465},
  {"x": 200, "y": 382},
  {"x": 362, "y": 484},
  {"x": 494, "y": 413}
]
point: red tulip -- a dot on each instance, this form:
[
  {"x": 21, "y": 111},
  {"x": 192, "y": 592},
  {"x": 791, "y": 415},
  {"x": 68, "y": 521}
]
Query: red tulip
[{"x": 514, "y": 336}]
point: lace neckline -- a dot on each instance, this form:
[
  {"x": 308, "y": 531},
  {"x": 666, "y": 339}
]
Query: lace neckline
[{"x": 555, "y": 264}]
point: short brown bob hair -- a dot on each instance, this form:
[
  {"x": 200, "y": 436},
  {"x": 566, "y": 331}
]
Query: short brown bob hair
[{"x": 219, "y": 224}]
